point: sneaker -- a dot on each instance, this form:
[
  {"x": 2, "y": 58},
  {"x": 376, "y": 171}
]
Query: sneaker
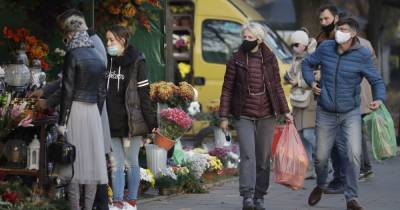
[
  {"x": 248, "y": 204},
  {"x": 130, "y": 205},
  {"x": 364, "y": 176},
  {"x": 354, "y": 205},
  {"x": 117, "y": 205},
  {"x": 259, "y": 204}
]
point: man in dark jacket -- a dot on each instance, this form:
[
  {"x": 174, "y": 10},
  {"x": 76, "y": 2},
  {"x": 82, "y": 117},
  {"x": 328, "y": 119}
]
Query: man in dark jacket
[{"x": 344, "y": 63}]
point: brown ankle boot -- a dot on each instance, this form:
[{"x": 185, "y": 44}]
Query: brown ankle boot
[
  {"x": 353, "y": 205},
  {"x": 315, "y": 196}
]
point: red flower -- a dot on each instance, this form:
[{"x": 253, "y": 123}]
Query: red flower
[
  {"x": 11, "y": 197},
  {"x": 45, "y": 65}
]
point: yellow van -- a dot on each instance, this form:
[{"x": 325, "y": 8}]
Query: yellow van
[{"x": 214, "y": 27}]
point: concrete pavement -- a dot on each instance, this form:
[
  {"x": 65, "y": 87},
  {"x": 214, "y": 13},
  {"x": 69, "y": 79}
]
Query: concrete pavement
[{"x": 380, "y": 193}]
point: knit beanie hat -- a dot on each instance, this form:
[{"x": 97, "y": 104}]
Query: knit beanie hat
[
  {"x": 72, "y": 20},
  {"x": 300, "y": 37}
]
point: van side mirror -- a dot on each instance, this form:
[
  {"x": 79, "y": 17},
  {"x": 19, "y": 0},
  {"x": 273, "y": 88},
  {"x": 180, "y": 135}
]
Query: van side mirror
[{"x": 199, "y": 81}]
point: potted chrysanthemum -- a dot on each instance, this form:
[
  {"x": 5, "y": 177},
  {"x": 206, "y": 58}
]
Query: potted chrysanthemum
[{"x": 173, "y": 124}]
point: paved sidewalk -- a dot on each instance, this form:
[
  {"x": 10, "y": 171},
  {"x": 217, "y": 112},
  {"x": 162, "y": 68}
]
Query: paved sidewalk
[{"x": 380, "y": 193}]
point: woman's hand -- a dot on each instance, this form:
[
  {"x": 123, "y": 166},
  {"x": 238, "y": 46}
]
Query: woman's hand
[
  {"x": 293, "y": 82},
  {"x": 62, "y": 129},
  {"x": 224, "y": 125},
  {"x": 288, "y": 118}
]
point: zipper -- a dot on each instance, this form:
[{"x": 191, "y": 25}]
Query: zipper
[
  {"x": 126, "y": 99},
  {"x": 336, "y": 78}
]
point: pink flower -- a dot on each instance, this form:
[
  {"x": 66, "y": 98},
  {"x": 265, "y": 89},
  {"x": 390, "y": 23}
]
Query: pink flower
[
  {"x": 26, "y": 122},
  {"x": 176, "y": 116},
  {"x": 15, "y": 112}
]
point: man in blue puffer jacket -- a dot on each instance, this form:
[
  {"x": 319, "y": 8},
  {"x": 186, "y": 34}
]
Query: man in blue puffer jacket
[{"x": 344, "y": 63}]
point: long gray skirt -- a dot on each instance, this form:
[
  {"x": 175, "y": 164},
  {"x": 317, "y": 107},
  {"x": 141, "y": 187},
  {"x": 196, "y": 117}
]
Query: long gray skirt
[{"x": 85, "y": 132}]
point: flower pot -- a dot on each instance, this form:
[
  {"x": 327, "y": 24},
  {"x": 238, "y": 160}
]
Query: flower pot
[
  {"x": 156, "y": 158},
  {"x": 167, "y": 190},
  {"x": 230, "y": 171},
  {"x": 143, "y": 187},
  {"x": 209, "y": 176},
  {"x": 163, "y": 141}
]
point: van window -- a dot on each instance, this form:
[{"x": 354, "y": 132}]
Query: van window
[
  {"x": 276, "y": 44},
  {"x": 219, "y": 39}
]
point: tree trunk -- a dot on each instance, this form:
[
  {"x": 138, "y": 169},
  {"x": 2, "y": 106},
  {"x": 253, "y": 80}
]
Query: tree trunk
[{"x": 306, "y": 14}]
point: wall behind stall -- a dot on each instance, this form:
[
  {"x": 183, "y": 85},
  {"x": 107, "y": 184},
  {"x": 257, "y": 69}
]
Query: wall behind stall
[{"x": 152, "y": 45}]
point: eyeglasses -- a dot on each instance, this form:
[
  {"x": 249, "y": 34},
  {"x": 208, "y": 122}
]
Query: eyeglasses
[{"x": 295, "y": 45}]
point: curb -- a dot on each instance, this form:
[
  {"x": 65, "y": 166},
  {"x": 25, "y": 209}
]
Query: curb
[{"x": 206, "y": 186}]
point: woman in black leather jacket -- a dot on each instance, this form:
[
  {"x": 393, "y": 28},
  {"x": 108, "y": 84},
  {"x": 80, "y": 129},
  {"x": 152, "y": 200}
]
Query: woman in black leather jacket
[
  {"x": 129, "y": 112},
  {"x": 82, "y": 97}
]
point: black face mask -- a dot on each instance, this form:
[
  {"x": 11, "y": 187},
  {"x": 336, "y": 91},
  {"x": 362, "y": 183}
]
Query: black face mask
[
  {"x": 329, "y": 27},
  {"x": 247, "y": 45}
]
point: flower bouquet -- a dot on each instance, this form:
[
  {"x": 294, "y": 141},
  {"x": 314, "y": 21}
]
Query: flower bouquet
[
  {"x": 13, "y": 114},
  {"x": 173, "y": 96},
  {"x": 167, "y": 181},
  {"x": 35, "y": 48},
  {"x": 174, "y": 123},
  {"x": 197, "y": 164},
  {"x": 146, "y": 180}
]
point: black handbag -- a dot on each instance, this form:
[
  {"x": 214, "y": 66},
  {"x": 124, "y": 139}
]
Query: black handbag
[{"x": 61, "y": 152}]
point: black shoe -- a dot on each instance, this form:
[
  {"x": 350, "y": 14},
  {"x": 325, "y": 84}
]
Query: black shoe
[
  {"x": 259, "y": 204},
  {"x": 248, "y": 204}
]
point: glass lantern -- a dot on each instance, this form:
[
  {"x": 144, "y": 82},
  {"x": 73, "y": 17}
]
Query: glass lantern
[
  {"x": 17, "y": 75},
  {"x": 15, "y": 152},
  {"x": 38, "y": 77}
]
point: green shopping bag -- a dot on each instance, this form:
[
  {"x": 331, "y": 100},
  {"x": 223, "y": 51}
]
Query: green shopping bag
[
  {"x": 178, "y": 155},
  {"x": 380, "y": 128}
]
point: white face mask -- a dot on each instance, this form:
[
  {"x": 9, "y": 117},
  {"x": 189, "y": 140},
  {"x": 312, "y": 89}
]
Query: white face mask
[{"x": 342, "y": 37}]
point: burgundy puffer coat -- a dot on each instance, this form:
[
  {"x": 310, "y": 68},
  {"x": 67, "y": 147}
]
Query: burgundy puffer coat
[{"x": 235, "y": 87}]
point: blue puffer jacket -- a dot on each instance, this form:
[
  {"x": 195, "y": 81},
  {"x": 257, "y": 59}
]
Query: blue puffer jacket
[{"x": 341, "y": 75}]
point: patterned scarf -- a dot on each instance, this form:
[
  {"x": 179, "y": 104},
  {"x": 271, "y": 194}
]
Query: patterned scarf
[{"x": 80, "y": 39}]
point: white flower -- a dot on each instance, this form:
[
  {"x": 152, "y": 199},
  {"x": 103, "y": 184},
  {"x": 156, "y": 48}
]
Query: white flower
[
  {"x": 145, "y": 176},
  {"x": 197, "y": 164},
  {"x": 168, "y": 172},
  {"x": 60, "y": 52}
]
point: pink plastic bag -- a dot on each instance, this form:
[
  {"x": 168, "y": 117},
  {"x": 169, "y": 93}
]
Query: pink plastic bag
[{"x": 290, "y": 159}]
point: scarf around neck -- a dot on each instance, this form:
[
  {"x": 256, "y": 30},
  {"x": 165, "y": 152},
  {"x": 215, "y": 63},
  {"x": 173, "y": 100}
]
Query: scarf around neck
[{"x": 80, "y": 39}]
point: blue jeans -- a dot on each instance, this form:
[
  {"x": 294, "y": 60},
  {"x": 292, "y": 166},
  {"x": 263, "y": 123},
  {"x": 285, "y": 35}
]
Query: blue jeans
[
  {"x": 308, "y": 139},
  {"x": 328, "y": 126},
  {"x": 125, "y": 154},
  {"x": 338, "y": 162}
]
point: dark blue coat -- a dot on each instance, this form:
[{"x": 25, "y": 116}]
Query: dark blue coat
[{"x": 341, "y": 75}]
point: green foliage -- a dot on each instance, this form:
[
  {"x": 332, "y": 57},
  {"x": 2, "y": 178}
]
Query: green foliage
[
  {"x": 190, "y": 184},
  {"x": 165, "y": 182}
]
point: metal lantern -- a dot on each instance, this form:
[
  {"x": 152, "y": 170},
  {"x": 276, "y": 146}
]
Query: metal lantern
[{"x": 33, "y": 154}]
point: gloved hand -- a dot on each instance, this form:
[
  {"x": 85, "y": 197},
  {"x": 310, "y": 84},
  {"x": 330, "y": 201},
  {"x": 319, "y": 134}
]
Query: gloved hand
[{"x": 62, "y": 129}]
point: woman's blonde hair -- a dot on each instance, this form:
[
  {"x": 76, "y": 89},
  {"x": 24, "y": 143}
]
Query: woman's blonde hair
[{"x": 255, "y": 28}]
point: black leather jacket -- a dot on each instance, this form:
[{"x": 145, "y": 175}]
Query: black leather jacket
[{"x": 83, "y": 80}]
